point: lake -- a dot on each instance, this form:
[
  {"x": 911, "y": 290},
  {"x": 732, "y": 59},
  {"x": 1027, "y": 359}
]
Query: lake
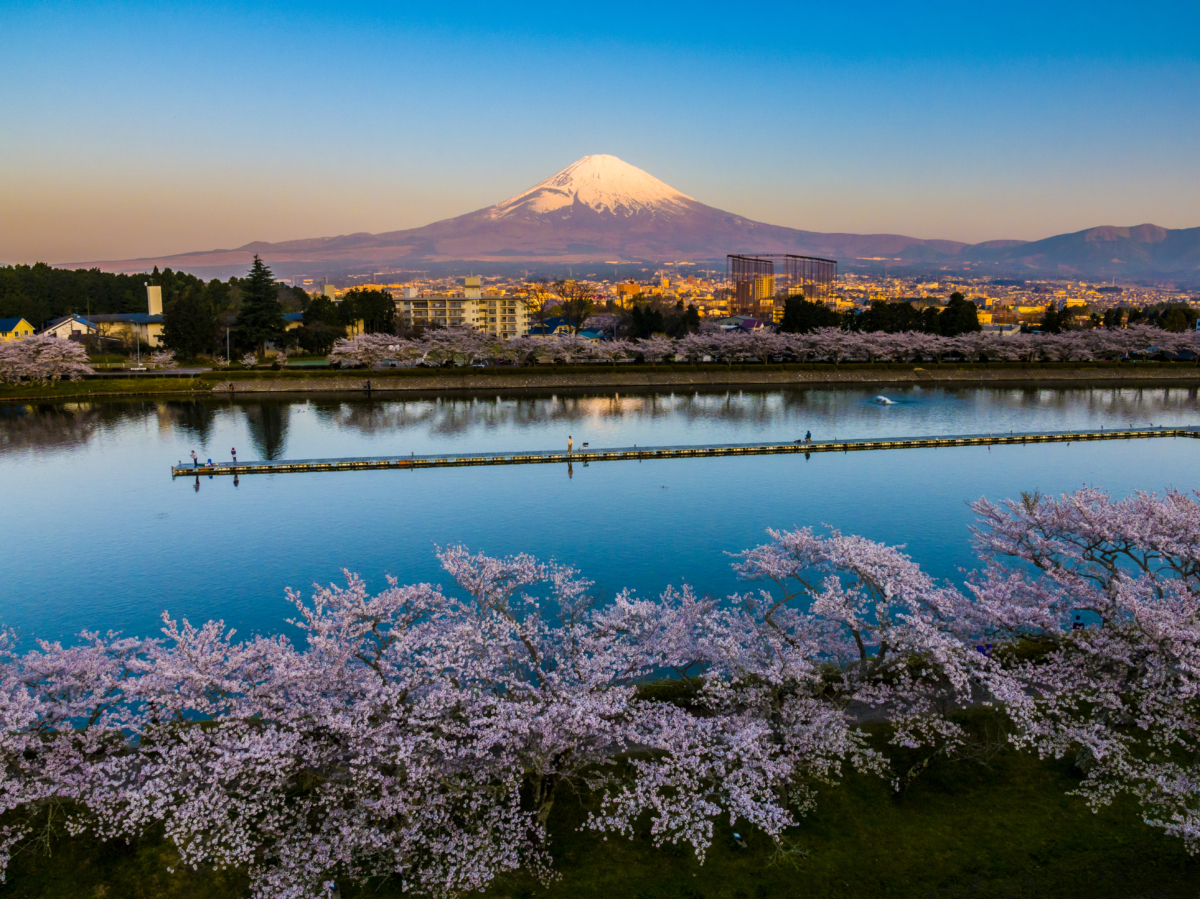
[{"x": 97, "y": 535}]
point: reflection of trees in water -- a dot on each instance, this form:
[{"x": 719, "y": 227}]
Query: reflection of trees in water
[
  {"x": 450, "y": 416},
  {"x": 1134, "y": 403},
  {"x": 47, "y": 426},
  {"x": 369, "y": 417},
  {"x": 267, "y": 423},
  {"x": 64, "y": 425},
  {"x": 193, "y": 417},
  {"x": 456, "y": 415}
]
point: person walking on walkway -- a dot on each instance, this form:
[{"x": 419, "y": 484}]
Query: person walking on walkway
[
  {"x": 195, "y": 460},
  {"x": 570, "y": 445},
  {"x": 233, "y": 452}
]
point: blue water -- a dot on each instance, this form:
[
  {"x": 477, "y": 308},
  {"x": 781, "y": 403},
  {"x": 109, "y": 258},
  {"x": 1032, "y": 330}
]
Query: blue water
[{"x": 96, "y": 535}]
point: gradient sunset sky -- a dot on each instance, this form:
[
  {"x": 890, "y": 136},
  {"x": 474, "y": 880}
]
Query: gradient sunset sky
[{"x": 131, "y": 130}]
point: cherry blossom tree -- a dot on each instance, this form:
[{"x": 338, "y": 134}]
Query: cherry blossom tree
[
  {"x": 366, "y": 350},
  {"x": 613, "y": 351},
  {"x": 1105, "y": 597},
  {"x": 832, "y": 345},
  {"x": 425, "y": 732},
  {"x": 42, "y": 359},
  {"x": 163, "y": 359},
  {"x": 655, "y": 349}
]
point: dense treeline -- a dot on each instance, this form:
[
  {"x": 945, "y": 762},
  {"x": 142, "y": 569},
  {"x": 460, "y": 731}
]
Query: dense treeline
[
  {"x": 647, "y": 319},
  {"x": 39, "y": 293},
  {"x": 195, "y": 311},
  {"x": 958, "y": 316}
]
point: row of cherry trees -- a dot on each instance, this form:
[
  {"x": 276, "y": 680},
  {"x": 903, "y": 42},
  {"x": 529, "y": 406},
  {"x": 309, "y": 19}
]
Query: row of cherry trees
[
  {"x": 823, "y": 345},
  {"x": 424, "y": 732},
  {"x": 42, "y": 359}
]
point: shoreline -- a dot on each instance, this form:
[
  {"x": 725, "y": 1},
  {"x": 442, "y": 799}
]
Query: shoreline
[{"x": 450, "y": 381}]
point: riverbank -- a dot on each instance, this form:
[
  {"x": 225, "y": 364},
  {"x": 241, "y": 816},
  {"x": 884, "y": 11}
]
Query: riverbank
[{"x": 622, "y": 377}]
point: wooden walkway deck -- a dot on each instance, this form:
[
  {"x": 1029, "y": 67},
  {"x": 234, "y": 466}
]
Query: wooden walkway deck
[{"x": 646, "y": 453}]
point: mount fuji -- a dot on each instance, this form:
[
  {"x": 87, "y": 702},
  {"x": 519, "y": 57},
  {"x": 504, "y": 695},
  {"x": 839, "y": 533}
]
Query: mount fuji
[
  {"x": 597, "y": 209},
  {"x": 602, "y": 209}
]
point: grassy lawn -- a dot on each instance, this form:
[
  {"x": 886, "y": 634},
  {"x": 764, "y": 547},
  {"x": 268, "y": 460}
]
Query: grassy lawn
[
  {"x": 1003, "y": 830},
  {"x": 100, "y": 387}
]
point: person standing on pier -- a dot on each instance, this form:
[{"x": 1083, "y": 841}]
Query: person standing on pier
[
  {"x": 195, "y": 460},
  {"x": 570, "y": 444},
  {"x": 808, "y": 436},
  {"x": 233, "y": 452}
]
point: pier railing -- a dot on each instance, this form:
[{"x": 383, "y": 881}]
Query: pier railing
[{"x": 647, "y": 453}]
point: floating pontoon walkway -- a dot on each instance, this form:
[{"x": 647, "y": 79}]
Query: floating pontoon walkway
[{"x": 646, "y": 453}]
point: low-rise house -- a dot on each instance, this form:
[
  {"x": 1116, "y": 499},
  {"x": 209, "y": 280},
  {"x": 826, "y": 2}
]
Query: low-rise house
[
  {"x": 71, "y": 327},
  {"x": 15, "y": 329},
  {"x": 129, "y": 326},
  {"x": 741, "y": 323},
  {"x": 552, "y": 327}
]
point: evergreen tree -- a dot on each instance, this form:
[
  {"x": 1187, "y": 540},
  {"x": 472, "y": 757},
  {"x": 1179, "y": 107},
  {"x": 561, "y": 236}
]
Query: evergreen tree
[
  {"x": 260, "y": 319},
  {"x": 801, "y": 316},
  {"x": 646, "y": 321},
  {"x": 959, "y": 317},
  {"x": 1177, "y": 318},
  {"x": 189, "y": 326},
  {"x": 1052, "y": 321},
  {"x": 322, "y": 326},
  {"x": 375, "y": 309}
]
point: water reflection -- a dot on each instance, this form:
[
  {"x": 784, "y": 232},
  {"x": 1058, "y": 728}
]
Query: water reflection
[
  {"x": 46, "y": 426},
  {"x": 195, "y": 418},
  {"x": 92, "y": 478},
  {"x": 268, "y": 424},
  {"x": 519, "y": 419}
]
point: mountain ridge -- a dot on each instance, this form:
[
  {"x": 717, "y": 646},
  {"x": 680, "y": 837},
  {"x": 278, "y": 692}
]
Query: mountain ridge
[{"x": 602, "y": 209}]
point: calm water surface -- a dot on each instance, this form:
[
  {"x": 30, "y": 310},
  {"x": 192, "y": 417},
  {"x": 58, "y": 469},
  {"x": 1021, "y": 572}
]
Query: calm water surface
[{"x": 98, "y": 536}]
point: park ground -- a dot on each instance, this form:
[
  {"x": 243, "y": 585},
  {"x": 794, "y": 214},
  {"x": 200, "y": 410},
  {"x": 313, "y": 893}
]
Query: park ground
[{"x": 999, "y": 825}]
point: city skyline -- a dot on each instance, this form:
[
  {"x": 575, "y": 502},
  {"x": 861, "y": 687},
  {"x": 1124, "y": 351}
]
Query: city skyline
[{"x": 136, "y": 131}]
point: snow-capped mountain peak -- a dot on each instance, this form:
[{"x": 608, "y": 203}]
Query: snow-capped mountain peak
[{"x": 604, "y": 183}]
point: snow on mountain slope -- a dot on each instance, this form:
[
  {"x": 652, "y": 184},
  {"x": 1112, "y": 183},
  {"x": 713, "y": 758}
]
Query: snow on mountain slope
[{"x": 604, "y": 183}]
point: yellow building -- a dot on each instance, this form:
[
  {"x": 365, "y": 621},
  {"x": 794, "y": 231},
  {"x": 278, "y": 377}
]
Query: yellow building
[
  {"x": 627, "y": 290},
  {"x": 15, "y": 329},
  {"x": 130, "y": 328},
  {"x": 504, "y": 316}
]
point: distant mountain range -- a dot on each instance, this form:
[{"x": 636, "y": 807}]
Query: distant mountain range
[{"x": 602, "y": 209}]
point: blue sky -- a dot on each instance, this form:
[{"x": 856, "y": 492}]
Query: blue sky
[{"x": 143, "y": 129}]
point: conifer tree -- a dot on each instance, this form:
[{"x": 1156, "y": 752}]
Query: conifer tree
[
  {"x": 260, "y": 320},
  {"x": 189, "y": 326}
]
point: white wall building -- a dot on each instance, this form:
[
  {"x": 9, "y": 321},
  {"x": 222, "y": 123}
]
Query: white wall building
[{"x": 504, "y": 316}]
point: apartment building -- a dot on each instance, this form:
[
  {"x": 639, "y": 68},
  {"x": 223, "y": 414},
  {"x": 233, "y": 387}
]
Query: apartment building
[{"x": 502, "y": 315}]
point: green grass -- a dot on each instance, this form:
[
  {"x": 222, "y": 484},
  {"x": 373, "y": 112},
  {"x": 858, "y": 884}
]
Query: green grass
[
  {"x": 101, "y": 387},
  {"x": 1005, "y": 830}
]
